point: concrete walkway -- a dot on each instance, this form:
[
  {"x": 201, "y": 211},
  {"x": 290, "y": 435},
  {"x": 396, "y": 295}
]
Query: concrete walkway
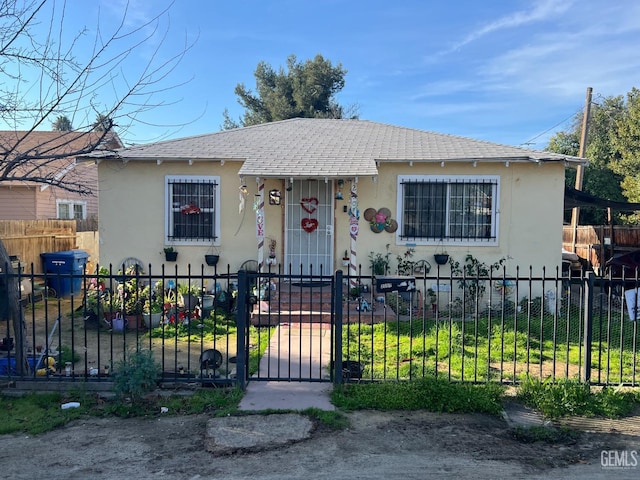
[{"x": 300, "y": 353}]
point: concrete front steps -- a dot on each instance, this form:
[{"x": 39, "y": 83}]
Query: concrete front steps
[{"x": 290, "y": 303}]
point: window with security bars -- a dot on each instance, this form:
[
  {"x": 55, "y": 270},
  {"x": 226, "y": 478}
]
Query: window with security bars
[
  {"x": 192, "y": 213},
  {"x": 454, "y": 208}
]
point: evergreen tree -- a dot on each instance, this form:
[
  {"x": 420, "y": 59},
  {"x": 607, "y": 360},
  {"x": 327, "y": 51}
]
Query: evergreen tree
[
  {"x": 306, "y": 89},
  {"x": 102, "y": 123},
  {"x": 62, "y": 124}
]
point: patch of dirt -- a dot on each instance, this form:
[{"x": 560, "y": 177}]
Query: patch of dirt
[
  {"x": 376, "y": 445},
  {"x": 96, "y": 345}
]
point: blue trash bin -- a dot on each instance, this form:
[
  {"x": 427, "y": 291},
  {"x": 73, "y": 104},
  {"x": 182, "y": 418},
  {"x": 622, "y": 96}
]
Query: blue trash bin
[{"x": 64, "y": 271}]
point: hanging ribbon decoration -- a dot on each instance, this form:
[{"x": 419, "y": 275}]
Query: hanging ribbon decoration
[
  {"x": 354, "y": 216},
  {"x": 259, "y": 208},
  {"x": 242, "y": 195}
]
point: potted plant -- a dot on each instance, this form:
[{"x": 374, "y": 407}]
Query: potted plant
[
  {"x": 354, "y": 292},
  {"x": 271, "y": 259},
  {"x": 100, "y": 282},
  {"x": 153, "y": 308},
  {"x": 152, "y": 313},
  {"x": 345, "y": 259},
  {"x": 128, "y": 298},
  {"x": 170, "y": 254},
  {"x": 212, "y": 256},
  {"x": 170, "y": 306},
  {"x": 96, "y": 303},
  {"x": 379, "y": 262},
  {"x": 441, "y": 256},
  {"x": 474, "y": 275},
  {"x": 133, "y": 301},
  {"x": 112, "y": 305},
  {"x": 188, "y": 297},
  {"x": 97, "y": 295},
  {"x": 433, "y": 300},
  {"x": 406, "y": 263}
]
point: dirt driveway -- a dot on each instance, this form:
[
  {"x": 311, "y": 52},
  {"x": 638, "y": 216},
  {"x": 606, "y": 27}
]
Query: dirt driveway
[{"x": 411, "y": 445}]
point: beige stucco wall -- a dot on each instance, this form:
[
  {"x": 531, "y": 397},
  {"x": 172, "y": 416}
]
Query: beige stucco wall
[
  {"x": 132, "y": 202},
  {"x": 530, "y": 228},
  {"x": 132, "y": 215}
]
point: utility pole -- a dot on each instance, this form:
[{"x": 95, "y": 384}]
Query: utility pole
[{"x": 575, "y": 213}]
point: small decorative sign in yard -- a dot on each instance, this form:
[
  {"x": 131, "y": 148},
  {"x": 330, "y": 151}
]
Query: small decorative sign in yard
[
  {"x": 396, "y": 284},
  {"x": 632, "y": 299}
]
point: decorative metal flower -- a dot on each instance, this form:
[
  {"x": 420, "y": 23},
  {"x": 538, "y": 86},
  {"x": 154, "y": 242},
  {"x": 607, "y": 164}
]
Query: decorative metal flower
[{"x": 380, "y": 220}]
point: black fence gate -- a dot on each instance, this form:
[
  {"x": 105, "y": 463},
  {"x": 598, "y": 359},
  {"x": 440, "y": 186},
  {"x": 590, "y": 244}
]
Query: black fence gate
[{"x": 291, "y": 320}]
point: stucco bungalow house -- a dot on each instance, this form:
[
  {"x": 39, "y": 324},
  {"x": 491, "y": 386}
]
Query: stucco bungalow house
[{"x": 305, "y": 192}]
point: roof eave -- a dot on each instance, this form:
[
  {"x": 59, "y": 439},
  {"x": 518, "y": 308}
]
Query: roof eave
[
  {"x": 156, "y": 159},
  {"x": 304, "y": 176},
  {"x": 517, "y": 159}
]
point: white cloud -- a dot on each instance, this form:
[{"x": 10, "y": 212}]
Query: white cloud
[
  {"x": 559, "y": 64},
  {"x": 541, "y": 11},
  {"x": 134, "y": 12},
  {"x": 553, "y": 61}
]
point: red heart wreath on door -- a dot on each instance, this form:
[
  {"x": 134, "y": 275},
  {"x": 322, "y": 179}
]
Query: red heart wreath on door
[
  {"x": 309, "y": 204},
  {"x": 309, "y": 224}
]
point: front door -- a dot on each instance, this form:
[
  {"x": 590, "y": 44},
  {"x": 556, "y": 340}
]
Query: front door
[{"x": 309, "y": 227}]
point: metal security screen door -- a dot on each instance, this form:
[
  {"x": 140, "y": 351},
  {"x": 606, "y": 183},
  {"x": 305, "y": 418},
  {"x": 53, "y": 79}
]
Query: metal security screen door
[{"x": 309, "y": 227}]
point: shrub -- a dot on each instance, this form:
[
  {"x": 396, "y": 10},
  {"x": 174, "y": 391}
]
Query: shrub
[
  {"x": 67, "y": 355},
  {"x": 428, "y": 393},
  {"x": 572, "y": 397},
  {"x": 474, "y": 275},
  {"x": 136, "y": 375}
]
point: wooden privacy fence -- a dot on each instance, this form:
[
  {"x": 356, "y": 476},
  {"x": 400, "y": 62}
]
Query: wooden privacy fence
[
  {"x": 27, "y": 239},
  {"x": 596, "y": 244}
]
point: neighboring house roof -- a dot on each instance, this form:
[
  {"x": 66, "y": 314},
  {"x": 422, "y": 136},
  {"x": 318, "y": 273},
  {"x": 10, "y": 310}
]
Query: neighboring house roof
[
  {"x": 47, "y": 145},
  {"x": 308, "y": 147}
]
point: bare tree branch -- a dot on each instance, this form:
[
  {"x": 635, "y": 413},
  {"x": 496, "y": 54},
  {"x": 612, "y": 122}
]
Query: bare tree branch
[{"x": 48, "y": 76}]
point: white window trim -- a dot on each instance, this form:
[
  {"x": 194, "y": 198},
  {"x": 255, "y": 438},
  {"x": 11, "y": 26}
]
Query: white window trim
[
  {"x": 71, "y": 204},
  {"x": 179, "y": 178},
  {"x": 495, "y": 217}
]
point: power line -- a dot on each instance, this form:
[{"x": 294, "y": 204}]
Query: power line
[{"x": 551, "y": 128}]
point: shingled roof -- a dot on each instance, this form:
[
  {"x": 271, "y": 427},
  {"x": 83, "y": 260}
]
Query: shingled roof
[
  {"x": 49, "y": 153},
  {"x": 307, "y": 147}
]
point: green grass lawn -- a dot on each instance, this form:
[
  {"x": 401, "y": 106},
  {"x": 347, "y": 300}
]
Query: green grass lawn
[{"x": 494, "y": 348}]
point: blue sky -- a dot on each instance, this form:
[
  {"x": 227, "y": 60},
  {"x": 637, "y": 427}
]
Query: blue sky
[{"x": 511, "y": 72}]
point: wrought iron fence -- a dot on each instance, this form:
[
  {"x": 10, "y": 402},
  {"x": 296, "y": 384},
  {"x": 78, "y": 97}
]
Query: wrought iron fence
[
  {"x": 210, "y": 325},
  {"x": 495, "y": 328},
  {"x": 80, "y": 326}
]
